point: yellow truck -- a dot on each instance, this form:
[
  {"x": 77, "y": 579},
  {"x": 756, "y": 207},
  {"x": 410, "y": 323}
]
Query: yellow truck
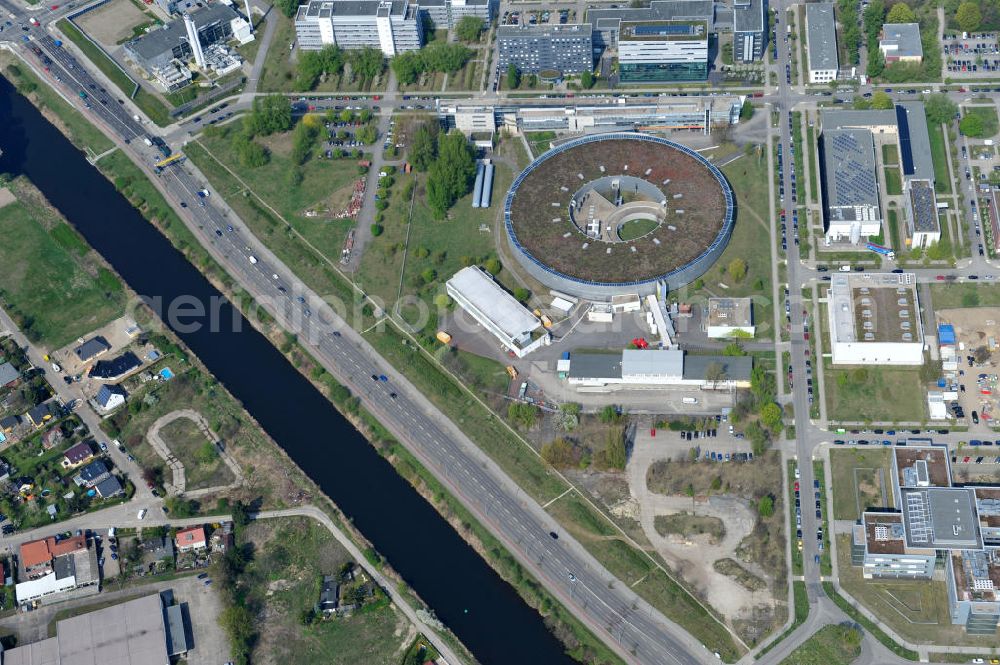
[{"x": 443, "y": 337}]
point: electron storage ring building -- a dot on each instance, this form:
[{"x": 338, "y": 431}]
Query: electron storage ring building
[{"x": 610, "y": 214}]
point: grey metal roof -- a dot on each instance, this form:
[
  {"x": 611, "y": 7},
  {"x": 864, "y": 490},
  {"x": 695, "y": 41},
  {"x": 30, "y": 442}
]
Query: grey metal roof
[
  {"x": 941, "y": 518},
  {"x": 920, "y": 141},
  {"x": 905, "y": 37},
  {"x": 595, "y": 366},
  {"x": 822, "y": 36},
  {"x": 91, "y": 348},
  {"x": 658, "y": 10},
  {"x": 8, "y": 374},
  {"x": 849, "y": 167},
  {"x": 157, "y": 42},
  {"x": 748, "y": 17},
  {"x": 176, "y": 635},
  {"x": 736, "y": 368},
  {"x": 650, "y": 363},
  {"x": 923, "y": 206},
  {"x": 850, "y": 119}
]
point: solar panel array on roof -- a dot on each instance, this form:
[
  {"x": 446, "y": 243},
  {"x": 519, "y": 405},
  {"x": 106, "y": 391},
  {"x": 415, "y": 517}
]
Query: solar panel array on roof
[
  {"x": 664, "y": 29},
  {"x": 905, "y": 148},
  {"x": 923, "y": 206},
  {"x": 853, "y": 181}
]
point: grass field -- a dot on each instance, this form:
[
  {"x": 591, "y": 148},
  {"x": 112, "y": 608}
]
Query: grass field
[
  {"x": 326, "y": 185},
  {"x": 381, "y": 266},
  {"x": 890, "y": 154},
  {"x": 893, "y": 182},
  {"x": 203, "y": 467},
  {"x": 966, "y": 294},
  {"x": 52, "y": 284},
  {"x": 876, "y": 394},
  {"x": 81, "y": 132},
  {"x": 939, "y": 155},
  {"x": 830, "y": 645},
  {"x": 988, "y": 114},
  {"x": 147, "y": 102},
  {"x": 285, "y": 580},
  {"x": 860, "y": 476}
]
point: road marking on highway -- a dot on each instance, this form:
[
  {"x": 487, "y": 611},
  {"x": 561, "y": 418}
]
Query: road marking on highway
[{"x": 557, "y": 498}]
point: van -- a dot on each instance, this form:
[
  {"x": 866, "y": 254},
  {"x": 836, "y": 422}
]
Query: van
[
  {"x": 253, "y": 259},
  {"x": 690, "y": 400},
  {"x": 141, "y": 514},
  {"x": 845, "y": 268}
]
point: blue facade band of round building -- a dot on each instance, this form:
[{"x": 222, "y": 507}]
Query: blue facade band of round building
[{"x": 603, "y": 290}]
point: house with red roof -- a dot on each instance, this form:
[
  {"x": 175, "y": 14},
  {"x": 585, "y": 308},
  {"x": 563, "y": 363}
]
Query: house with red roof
[{"x": 191, "y": 538}]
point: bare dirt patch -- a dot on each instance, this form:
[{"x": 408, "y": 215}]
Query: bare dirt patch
[
  {"x": 110, "y": 24},
  {"x": 702, "y": 519}
]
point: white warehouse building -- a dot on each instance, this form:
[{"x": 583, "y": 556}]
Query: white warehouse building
[
  {"x": 499, "y": 312},
  {"x": 875, "y": 319}
]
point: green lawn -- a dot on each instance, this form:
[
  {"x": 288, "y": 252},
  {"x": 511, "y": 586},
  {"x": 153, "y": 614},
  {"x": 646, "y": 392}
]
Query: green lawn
[
  {"x": 55, "y": 292},
  {"x": 878, "y": 394},
  {"x": 750, "y": 242},
  {"x": 80, "y": 131},
  {"x": 939, "y": 156},
  {"x": 893, "y": 182},
  {"x": 146, "y": 101},
  {"x": 860, "y": 476},
  {"x": 203, "y": 467},
  {"x": 966, "y": 294},
  {"x": 988, "y": 114},
  {"x": 890, "y": 154},
  {"x": 830, "y": 645}
]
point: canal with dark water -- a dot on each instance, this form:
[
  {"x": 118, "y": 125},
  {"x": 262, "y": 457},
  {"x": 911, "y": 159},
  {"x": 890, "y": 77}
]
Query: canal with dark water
[{"x": 467, "y": 595}]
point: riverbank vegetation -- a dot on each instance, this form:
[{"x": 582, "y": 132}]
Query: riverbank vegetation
[{"x": 53, "y": 285}]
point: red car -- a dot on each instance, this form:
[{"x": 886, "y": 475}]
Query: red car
[
  {"x": 796, "y": 486},
  {"x": 805, "y": 335},
  {"x": 940, "y": 278}
]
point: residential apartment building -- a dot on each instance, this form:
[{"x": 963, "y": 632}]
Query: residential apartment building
[
  {"x": 566, "y": 49},
  {"x": 821, "y": 41},
  {"x": 447, "y": 13},
  {"x": 393, "y": 26},
  {"x": 662, "y": 51}
]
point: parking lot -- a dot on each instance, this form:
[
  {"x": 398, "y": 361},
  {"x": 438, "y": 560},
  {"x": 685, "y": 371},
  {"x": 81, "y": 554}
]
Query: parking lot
[{"x": 977, "y": 56}]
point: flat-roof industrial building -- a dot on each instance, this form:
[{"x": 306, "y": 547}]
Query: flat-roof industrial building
[
  {"x": 662, "y": 51},
  {"x": 749, "y": 30},
  {"x": 849, "y": 165},
  {"x": 850, "y": 185},
  {"x": 900, "y": 42},
  {"x": 698, "y": 113},
  {"x": 561, "y": 49},
  {"x": 875, "y": 319},
  {"x": 730, "y": 317},
  {"x": 821, "y": 38},
  {"x": 499, "y": 312},
  {"x": 934, "y": 518},
  {"x": 393, "y": 26},
  {"x": 658, "y": 367},
  {"x": 130, "y": 633},
  {"x": 164, "y": 54}
]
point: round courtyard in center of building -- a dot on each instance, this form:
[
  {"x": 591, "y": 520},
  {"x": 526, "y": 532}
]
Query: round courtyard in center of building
[{"x": 608, "y": 214}]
